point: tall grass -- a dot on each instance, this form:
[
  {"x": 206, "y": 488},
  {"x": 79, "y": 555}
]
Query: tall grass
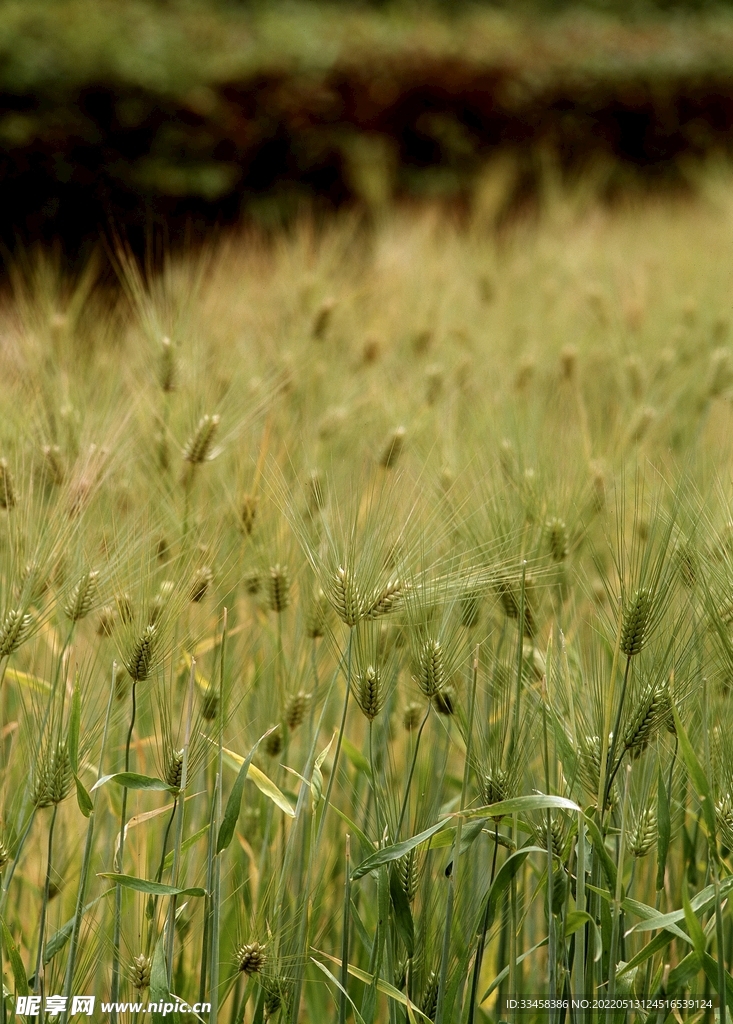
[{"x": 365, "y": 621}]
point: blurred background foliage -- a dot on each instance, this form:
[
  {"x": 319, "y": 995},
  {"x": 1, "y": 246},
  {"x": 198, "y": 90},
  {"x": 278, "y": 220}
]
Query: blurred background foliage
[{"x": 129, "y": 116}]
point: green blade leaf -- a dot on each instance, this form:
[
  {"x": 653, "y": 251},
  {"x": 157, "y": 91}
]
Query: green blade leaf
[
  {"x": 504, "y": 876},
  {"x": 59, "y": 938},
  {"x": 389, "y": 853},
  {"x": 599, "y": 845},
  {"x": 86, "y": 805},
  {"x": 16, "y": 964},
  {"x": 658, "y": 943},
  {"x": 522, "y": 804},
  {"x": 152, "y": 888},
  {"x": 132, "y": 780},
  {"x": 664, "y": 829},
  {"x": 356, "y": 757},
  {"x": 159, "y": 992},
  {"x": 693, "y": 925},
  {"x": 168, "y": 862},
  {"x": 234, "y": 803},
  {"x": 382, "y": 986}
]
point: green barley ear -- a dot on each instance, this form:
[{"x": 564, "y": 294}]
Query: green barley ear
[
  {"x": 82, "y": 596},
  {"x": 369, "y": 692},
  {"x": 4, "y": 855},
  {"x": 248, "y": 513},
  {"x": 210, "y": 703},
  {"x": 55, "y": 471},
  {"x": 495, "y": 785},
  {"x": 251, "y": 958},
  {"x": 167, "y": 367},
  {"x": 645, "y": 719},
  {"x": 274, "y": 742},
  {"x": 140, "y": 658},
  {"x": 408, "y": 874},
  {"x": 386, "y": 600},
  {"x": 202, "y": 580},
  {"x": 347, "y": 598},
  {"x": 393, "y": 448},
  {"x": 14, "y": 630},
  {"x": 724, "y": 819},
  {"x": 7, "y": 487},
  {"x": 642, "y": 836},
  {"x": 124, "y": 607},
  {"x": 173, "y": 774},
  {"x": 200, "y": 446},
  {"x": 159, "y": 601},
  {"x": 687, "y": 564},
  {"x": 296, "y": 709},
  {"x": 274, "y": 999},
  {"x": 429, "y": 1001},
  {"x": 636, "y": 619},
  {"x": 558, "y": 836},
  {"x": 140, "y": 968},
  {"x": 278, "y": 588},
  {"x": 53, "y": 778},
  {"x": 430, "y": 668},
  {"x": 508, "y": 597}
]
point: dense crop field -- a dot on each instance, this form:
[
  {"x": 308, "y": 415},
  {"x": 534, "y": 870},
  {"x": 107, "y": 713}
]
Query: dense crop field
[{"x": 365, "y": 621}]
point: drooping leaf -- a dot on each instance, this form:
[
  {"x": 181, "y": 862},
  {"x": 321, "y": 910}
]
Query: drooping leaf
[
  {"x": 389, "y": 853},
  {"x": 356, "y": 757},
  {"x": 234, "y": 803},
  {"x": 521, "y": 805},
  {"x": 133, "y": 780},
  {"x": 382, "y": 986},
  {"x": 85, "y": 802},
  {"x": 152, "y": 888},
  {"x": 265, "y": 785}
]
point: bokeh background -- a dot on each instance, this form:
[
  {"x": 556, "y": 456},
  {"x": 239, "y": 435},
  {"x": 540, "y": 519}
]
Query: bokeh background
[{"x": 153, "y": 121}]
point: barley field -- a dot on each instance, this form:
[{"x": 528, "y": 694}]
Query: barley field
[{"x": 366, "y": 623}]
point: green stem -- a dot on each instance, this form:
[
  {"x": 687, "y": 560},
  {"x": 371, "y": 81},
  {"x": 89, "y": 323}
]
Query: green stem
[
  {"x": 403, "y": 809},
  {"x": 344, "y": 978},
  {"x": 44, "y": 904},
  {"x": 616, "y": 906},
  {"x": 342, "y": 726},
  {"x": 86, "y": 861},
  {"x": 115, "y": 989}
]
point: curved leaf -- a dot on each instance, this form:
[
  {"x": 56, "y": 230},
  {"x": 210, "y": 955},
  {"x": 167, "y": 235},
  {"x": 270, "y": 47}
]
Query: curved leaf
[
  {"x": 132, "y": 780},
  {"x": 520, "y": 804},
  {"x": 152, "y": 888},
  {"x": 21, "y": 982},
  {"x": 234, "y": 803},
  {"x": 389, "y": 853}
]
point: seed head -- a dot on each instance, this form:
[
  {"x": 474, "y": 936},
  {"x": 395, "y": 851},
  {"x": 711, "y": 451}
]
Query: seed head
[
  {"x": 558, "y": 836},
  {"x": 643, "y": 833},
  {"x": 430, "y": 675},
  {"x": 248, "y": 513},
  {"x": 140, "y": 659},
  {"x": 82, "y": 596},
  {"x": 369, "y": 692},
  {"x": 296, "y": 708},
  {"x": 347, "y": 597},
  {"x": 167, "y": 367},
  {"x": 429, "y": 1001},
  {"x": 124, "y": 608},
  {"x": 251, "y": 958},
  {"x": 645, "y": 719},
  {"x": 54, "y": 777},
  {"x": 495, "y": 786},
  {"x": 140, "y": 972},
  {"x": 273, "y": 1002},
  {"x": 4, "y": 855},
  {"x": 386, "y": 599},
  {"x": 393, "y": 448},
  {"x": 199, "y": 447},
  {"x": 686, "y": 563},
  {"x": 278, "y": 588},
  {"x": 407, "y": 871},
  {"x": 445, "y": 700},
  {"x": 508, "y": 597},
  {"x": 14, "y": 630},
  {"x": 274, "y": 742},
  {"x": 159, "y": 601},
  {"x": 173, "y": 774},
  {"x": 202, "y": 580},
  {"x": 7, "y": 487},
  {"x": 635, "y": 628}
]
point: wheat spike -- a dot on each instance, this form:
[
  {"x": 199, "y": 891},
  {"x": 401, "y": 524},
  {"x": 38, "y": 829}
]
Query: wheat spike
[
  {"x": 635, "y": 625},
  {"x": 199, "y": 447},
  {"x": 15, "y": 629},
  {"x": 7, "y": 487}
]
